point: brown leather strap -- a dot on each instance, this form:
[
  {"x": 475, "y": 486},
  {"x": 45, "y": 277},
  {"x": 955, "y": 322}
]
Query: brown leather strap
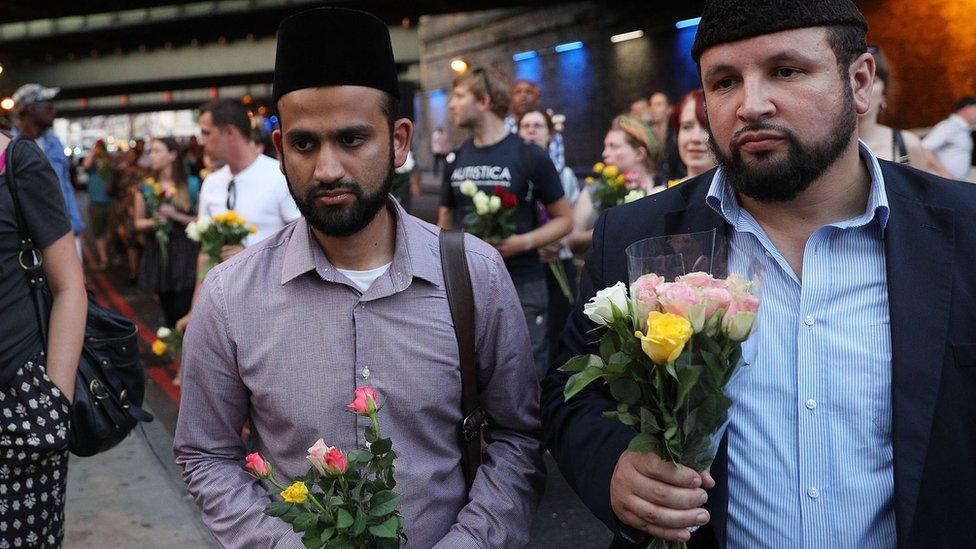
[{"x": 457, "y": 282}]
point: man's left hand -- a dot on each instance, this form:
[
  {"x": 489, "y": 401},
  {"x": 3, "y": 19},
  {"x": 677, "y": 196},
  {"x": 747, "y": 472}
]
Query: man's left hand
[{"x": 515, "y": 244}]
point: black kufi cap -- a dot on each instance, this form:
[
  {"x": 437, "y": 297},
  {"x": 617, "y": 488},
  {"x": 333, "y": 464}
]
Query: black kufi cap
[
  {"x": 731, "y": 20},
  {"x": 334, "y": 47}
]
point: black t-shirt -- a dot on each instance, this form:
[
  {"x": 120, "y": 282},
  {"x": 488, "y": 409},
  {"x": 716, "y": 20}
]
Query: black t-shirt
[
  {"x": 44, "y": 211},
  {"x": 523, "y": 169}
]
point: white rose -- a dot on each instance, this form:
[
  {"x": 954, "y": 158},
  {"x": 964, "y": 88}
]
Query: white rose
[
  {"x": 204, "y": 222},
  {"x": 468, "y": 188},
  {"x": 633, "y": 195},
  {"x": 494, "y": 204},
  {"x": 598, "y": 308},
  {"x": 480, "y": 200},
  {"x": 163, "y": 332},
  {"x": 192, "y": 232}
]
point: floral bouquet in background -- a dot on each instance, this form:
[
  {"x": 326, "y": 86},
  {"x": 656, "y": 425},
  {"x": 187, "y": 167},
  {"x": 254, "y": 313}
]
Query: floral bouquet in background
[
  {"x": 213, "y": 233},
  {"x": 612, "y": 188},
  {"x": 493, "y": 218},
  {"x": 346, "y": 499},
  {"x": 155, "y": 198},
  {"x": 168, "y": 340},
  {"x": 667, "y": 354}
]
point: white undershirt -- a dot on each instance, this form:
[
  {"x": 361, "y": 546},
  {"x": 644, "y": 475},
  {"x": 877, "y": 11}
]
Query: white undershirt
[{"x": 364, "y": 279}]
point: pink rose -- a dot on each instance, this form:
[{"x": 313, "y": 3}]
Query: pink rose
[
  {"x": 681, "y": 299},
  {"x": 700, "y": 280},
  {"x": 257, "y": 466},
  {"x": 364, "y": 402},
  {"x": 644, "y": 294},
  {"x": 335, "y": 462},
  {"x": 736, "y": 284},
  {"x": 316, "y": 455},
  {"x": 741, "y": 316}
]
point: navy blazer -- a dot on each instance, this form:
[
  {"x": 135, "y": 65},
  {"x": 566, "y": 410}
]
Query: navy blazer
[{"x": 930, "y": 252}]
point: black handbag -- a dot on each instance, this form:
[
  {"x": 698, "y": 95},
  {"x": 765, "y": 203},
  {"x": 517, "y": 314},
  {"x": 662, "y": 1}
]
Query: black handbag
[{"x": 110, "y": 383}]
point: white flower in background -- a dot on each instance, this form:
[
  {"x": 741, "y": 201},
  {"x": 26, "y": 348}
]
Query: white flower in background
[
  {"x": 468, "y": 188},
  {"x": 195, "y": 229},
  {"x": 599, "y": 309},
  {"x": 480, "y": 200},
  {"x": 494, "y": 203},
  {"x": 633, "y": 195},
  {"x": 163, "y": 332}
]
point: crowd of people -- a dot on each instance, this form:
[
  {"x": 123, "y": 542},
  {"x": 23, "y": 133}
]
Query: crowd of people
[{"x": 339, "y": 289}]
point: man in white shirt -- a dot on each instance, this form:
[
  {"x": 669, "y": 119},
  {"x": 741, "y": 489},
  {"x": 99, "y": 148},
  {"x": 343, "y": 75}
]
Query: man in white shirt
[
  {"x": 951, "y": 140},
  {"x": 249, "y": 183}
]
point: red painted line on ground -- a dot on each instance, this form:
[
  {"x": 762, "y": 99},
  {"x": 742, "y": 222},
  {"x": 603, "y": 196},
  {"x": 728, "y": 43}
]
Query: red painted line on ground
[{"x": 159, "y": 375}]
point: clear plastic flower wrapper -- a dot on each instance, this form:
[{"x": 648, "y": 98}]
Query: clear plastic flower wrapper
[{"x": 671, "y": 341}]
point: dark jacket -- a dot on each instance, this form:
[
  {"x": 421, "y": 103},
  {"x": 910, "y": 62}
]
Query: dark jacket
[{"x": 930, "y": 252}]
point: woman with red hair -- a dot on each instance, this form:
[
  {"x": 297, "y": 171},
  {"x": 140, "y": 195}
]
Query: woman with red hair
[{"x": 692, "y": 135}]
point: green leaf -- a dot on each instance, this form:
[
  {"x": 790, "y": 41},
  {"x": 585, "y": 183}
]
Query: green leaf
[
  {"x": 711, "y": 359},
  {"x": 381, "y": 446},
  {"x": 359, "y": 526},
  {"x": 670, "y": 432},
  {"x": 625, "y": 390},
  {"x": 277, "y": 508},
  {"x": 612, "y": 415},
  {"x": 687, "y": 378},
  {"x": 648, "y": 422},
  {"x": 359, "y": 456},
  {"x": 327, "y": 534},
  {"x": 370, "y": 434},
  {"x": 341, "y": 544},
  {"x": 312, "y": 535},
  {"x": 669, "y": 368},
  {"x": 607, "y": 347},
  {"x": 579, "y": 381},
  {"x": 336, "y": 501},
  {"x": 343, "y": 519},
  {"x": 627, "y": 419},
  {"x": 576, "y": 364},
  {"x": 643, "y": 443},
  {"x": 388, "y": 529},
  {"x": 384, "y": 503},
  {"x": 305, "y": 521},
  {"x": 358, "y": 488}
]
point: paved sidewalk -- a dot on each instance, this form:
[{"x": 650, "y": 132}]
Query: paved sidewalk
[{"x": 132, "y": 496}]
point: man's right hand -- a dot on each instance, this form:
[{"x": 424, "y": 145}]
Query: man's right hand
[
  {"x": 658, "y": 497},
  {"x": 182, "y": 323},
  {"x": 230, "y": 251}
]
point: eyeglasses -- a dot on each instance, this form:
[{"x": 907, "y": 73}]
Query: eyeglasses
[
  {"x": 231, "y": 194},
  {"x": 484, "y": 77}
]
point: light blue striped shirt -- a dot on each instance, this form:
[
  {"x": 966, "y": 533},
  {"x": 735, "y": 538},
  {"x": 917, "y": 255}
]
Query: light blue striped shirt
[{"x": 809, "y": 436}]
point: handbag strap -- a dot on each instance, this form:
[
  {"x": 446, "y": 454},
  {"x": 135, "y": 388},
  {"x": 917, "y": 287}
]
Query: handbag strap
[
  {"x": 28, "y": 257},
  {"x": 460, "y": 299}
]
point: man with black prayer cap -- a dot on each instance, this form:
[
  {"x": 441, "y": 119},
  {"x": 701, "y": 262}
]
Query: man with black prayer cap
[
  {"x": 352, "y": 294},
  {"x": 853, "y": 416}
]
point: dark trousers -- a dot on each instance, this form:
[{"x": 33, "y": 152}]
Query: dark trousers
[
  {"x": 559, "y": 307},
  {"x": 175, "y": 305}
]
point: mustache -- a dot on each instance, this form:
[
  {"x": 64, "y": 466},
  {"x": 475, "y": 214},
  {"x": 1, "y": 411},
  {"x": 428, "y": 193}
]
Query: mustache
[
  {"x": 322, "y": 186},
  {"x": 760, "y": 127}
]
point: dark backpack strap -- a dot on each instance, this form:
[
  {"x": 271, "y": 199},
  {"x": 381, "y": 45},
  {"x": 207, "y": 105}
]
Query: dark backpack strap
[{"x": 457, "y": 282}]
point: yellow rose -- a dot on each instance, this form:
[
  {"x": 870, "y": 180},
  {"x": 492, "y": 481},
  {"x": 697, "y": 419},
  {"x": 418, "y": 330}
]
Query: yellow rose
[
  {"x": 252, "y": 229},
  {"x": 220, "y": 218},
  {"x": 598, "y": 167},
  {"x": 159, "y": 347},
  {"x": 296, "y": 493},
  {"x": 610, "y": 172},
  {"x": 666, "y": 336}
]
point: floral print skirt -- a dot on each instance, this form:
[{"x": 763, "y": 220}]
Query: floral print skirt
[{"x": 34, "y": 422}]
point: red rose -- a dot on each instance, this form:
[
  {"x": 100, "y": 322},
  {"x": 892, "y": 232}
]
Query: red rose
[
  {"x": 509, "y": 200},
  {"x": 498, "y": 191}
]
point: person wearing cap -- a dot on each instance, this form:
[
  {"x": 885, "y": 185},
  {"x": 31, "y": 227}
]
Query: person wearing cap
[
  {"x": 34, "y": 110},
  {"x": 852, "y": 423},
  {"x": 353, "y": 295},
  {"x": 952, "y": 140}
]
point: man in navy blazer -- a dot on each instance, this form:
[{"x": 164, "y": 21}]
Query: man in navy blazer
[{"x": 783, "y": 80}]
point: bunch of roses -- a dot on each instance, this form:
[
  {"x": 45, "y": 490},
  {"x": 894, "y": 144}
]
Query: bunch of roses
[
  {"x": 345, "y": 499},
  {"x": 213, "y": 233},
  {"x": 611, "y": 188},
  {"x": 493, "y": 218}
]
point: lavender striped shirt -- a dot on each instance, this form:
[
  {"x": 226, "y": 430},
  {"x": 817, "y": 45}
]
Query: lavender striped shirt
[{"x": 281, "y": 337}]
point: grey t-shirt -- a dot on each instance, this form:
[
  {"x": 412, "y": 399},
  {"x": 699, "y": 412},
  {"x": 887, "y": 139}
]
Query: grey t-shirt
[{"x": 47, "y": 220}]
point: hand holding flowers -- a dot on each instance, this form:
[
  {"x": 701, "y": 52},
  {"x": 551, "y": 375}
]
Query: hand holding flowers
[
  {"x": 156, "y": 199},
  {"x": 213, "y": 233},
  {"x": 493, "y": 218},
  {"x": 345, "y": 499}
]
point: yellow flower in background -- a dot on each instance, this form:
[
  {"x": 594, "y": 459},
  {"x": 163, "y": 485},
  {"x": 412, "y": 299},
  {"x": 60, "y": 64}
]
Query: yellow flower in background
[
  {"x": 610, "y": 172},
  {"x": 252, "y": 229},
  {"x": 666, "y": 337},
  {"x": 590, "y": 180},
  {"x": 159, "y": 348},
  {"x": 296, "y": 493},
  {"x": 598, "y": 167}
]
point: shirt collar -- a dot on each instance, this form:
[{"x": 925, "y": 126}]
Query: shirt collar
[
  {"x": 722, "y": 199},
  {"x": 412, "y": 256},
  {"x": 959, "y": 121}
]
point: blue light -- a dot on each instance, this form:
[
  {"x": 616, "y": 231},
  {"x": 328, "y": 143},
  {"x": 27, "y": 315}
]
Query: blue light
[
  {"x": 684, "y": 24},
  {"x": 523, "y": 55},
  {"x": 570, "y": 46}
]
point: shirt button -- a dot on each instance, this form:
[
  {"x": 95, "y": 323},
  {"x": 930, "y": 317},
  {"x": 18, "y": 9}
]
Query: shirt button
[
  {"x": 813, "y": 492},
  {"x": 811, "y": 404},
  {"x": 809, "y": 320}
]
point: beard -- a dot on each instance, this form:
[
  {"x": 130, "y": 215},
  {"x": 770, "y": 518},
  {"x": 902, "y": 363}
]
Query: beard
[
  {"x": 781, "y": 180},
  {"x": 346, "y": 220}
]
